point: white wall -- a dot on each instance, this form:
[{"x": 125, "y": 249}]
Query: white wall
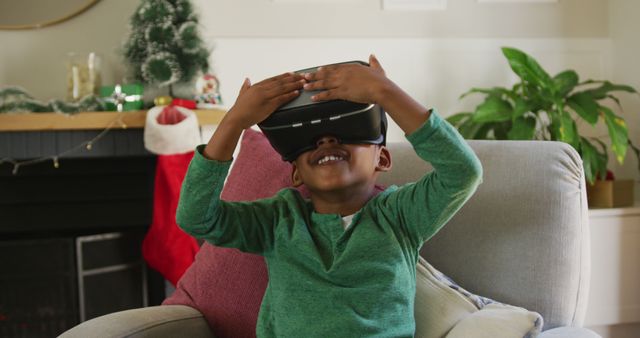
[
  {"x": 434, "y": 71},
  {"x": 434, "y": 55},
  {"x": 364, "y": 18},
  {"x": 624, "y": 28},
  {"x": 35, "y": 59}
]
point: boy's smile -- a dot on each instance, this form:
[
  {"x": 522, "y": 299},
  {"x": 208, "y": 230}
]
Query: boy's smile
[
  {"x": 329, "y": 156},
  {"x": 337, "y": 167}
]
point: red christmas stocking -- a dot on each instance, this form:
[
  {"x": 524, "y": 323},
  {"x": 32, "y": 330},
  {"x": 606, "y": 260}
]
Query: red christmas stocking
[
  {"x": 166, "y": 248},
  {"x": 172, "y": 133}
]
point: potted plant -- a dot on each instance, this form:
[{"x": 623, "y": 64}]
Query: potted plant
[{"x": 542, "y": 107}]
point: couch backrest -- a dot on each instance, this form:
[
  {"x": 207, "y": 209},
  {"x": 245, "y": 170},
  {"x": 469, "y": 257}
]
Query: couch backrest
[{"x": 523, "y": 238}]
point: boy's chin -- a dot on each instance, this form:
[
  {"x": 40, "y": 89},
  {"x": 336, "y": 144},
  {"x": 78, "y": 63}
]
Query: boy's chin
[{"x": 333, "y": 186}]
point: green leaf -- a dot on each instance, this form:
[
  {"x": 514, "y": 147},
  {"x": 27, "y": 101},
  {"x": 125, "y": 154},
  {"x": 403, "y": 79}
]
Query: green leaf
[
  {"x": 588, "y": 153},
  {"x": 493, "y": 109},
  {"x": 523, "y": 128},
  {"x": 495, "y": 91},
  {"x": 458, "y": 118},
  {"x": 593, "y": 161},
  {"x": 482, "y": 132},
  {"x": 568, "y": 129},
  {"x": 521, "y": 107},
  {"x": 469, "y": 129},
  {"x": 618, "y": 132},
  {"x": 528, "y": 69},
  {"x": 565, "y": 82},
  {"x": 616, "y": 100},
  {"x": 606, "y": 87},
  {"x": 603, "y": 159},
  {"x": 585, "y": 106},
  {"x": 501, "y": 130}
]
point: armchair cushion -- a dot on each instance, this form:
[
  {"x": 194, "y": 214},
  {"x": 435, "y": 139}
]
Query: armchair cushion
[
  {"x": 154, "y": 321},
  {"x": 227, "y": 285},
  {"x": 444, "y": 309}
]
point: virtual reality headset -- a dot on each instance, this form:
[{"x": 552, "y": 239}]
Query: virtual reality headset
[{"x": 296, "y": 126}]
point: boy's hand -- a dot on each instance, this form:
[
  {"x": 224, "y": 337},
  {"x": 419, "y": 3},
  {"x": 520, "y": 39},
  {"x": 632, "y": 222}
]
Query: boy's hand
[
  {"x": 256, "y": 102},
  {"x": 364, "y": 84},
  {"x": 352, "y": 82}
]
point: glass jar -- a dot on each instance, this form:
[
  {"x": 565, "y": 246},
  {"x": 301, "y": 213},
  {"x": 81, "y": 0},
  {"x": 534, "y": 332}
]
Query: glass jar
[{"x": 83, "y": 75}]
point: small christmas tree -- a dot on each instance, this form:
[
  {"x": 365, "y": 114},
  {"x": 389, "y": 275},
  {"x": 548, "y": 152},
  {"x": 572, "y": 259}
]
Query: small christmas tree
[{"x": 164, "y": 46}]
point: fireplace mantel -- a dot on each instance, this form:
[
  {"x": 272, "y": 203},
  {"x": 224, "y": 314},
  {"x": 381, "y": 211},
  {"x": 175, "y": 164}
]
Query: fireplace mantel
[
  {"x": 35, "y": 135},
  {"x": 88, "y": 120}
]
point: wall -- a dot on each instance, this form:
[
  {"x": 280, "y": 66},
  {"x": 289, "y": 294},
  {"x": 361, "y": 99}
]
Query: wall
[
  {"x": 434, "y": 55},
  {"x": 624, "y": 28},
  {"x": 363, "y": 18},
  {"x": 35, "y": 59}
]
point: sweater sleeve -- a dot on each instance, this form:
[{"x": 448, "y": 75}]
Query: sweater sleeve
[
  {"x": 423, "y": 207},
  {"x": 247, "y": 226}
]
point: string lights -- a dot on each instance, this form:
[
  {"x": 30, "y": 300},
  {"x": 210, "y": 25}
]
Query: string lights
[{"x": 88, "y": 145}]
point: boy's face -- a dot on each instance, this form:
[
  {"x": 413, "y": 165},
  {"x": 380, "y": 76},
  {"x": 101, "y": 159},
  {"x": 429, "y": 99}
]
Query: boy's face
[{"x": 336, "y": 167}]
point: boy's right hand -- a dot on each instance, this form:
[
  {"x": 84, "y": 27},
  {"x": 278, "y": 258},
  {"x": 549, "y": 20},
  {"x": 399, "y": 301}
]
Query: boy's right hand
[{"x": 256, "y": 102}]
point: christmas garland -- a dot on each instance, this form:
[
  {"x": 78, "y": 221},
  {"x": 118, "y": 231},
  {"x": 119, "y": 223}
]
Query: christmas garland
[{"x": 16, "y": 100}]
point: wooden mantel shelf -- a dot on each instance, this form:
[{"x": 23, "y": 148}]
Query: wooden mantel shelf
[{"x": 88, "y": 120}]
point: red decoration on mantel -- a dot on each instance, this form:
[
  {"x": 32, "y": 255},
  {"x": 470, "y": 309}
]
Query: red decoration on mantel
[
  {"x": 189, "y": 104},
  {"x": 170, "y": 115}
]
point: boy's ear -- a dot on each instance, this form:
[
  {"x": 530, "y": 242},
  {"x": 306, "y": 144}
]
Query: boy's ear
[
  {"x": 295, "y": 176},
  {"x": 384, "y": 160}
]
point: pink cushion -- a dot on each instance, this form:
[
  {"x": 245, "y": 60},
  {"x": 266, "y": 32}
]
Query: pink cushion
[{"x": 227, "y": 285}]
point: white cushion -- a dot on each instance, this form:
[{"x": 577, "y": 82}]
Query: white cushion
[{"x": 444, "y": 309}]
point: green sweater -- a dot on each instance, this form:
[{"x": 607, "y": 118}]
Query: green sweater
[{"x": 325, "y": 281}]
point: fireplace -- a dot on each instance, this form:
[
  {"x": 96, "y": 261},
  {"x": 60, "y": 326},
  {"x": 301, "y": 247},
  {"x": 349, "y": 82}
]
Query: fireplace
[{"x": 70, "y": 242}]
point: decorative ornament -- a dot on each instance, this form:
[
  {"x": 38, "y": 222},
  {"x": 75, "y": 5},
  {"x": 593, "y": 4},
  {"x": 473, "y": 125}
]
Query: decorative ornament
[
  {"x": 162, "y": 100},
  {"x": 119, "y": 97},
  {"x": 208, "y": 91}
]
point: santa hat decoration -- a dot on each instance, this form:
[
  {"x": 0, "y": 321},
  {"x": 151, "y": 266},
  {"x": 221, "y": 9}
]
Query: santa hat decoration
[{"x": 171, "y": 130}]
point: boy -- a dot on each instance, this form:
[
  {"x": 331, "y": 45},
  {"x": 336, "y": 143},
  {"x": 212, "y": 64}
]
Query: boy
[{"x": 341, "y": 264}]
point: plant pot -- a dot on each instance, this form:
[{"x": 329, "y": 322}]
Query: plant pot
[{"x": 610, "y": 194}]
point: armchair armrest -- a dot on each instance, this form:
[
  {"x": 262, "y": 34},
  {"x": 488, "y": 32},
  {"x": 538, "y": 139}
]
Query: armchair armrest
[
  {"x": 155, "y": 321},
  {"x": 569, "y": 332}
]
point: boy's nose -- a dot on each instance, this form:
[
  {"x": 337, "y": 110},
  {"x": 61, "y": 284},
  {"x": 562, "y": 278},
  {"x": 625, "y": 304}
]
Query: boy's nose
[{"x": 326, "y": 141}]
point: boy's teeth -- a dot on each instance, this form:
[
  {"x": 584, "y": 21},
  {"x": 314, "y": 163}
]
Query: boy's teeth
[{"x": 329, "y": 158}]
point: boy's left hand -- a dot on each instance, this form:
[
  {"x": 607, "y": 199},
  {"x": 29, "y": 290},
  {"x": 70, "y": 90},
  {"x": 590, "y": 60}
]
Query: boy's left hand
[{"x": 352, "y": 82}]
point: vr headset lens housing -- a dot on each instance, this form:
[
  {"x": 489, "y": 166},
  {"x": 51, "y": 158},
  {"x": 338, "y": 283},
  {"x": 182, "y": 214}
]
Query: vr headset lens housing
[{"x": 296, "y": 126}]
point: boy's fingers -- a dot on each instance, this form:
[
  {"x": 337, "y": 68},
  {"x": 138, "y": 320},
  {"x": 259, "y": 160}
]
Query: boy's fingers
[
  {"x": 283, "y": 87},
  {"x": 316, "y": 85},
  {"x": 320, "y": 73},
  {"x": 374, "y": 63},
  {"x": 284, "y": 98},
  {"x": 289, "y": 77},
  {"x": 325, "y": 95},
  {"x": 245, "y": 85},
  {"x": 281, "y": 79}
]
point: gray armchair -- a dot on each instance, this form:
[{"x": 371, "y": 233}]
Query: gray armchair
[{"x": 522, "y": 239}]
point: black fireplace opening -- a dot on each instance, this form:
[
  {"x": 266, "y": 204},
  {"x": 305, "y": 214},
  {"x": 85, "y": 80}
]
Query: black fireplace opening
[{"x": 70, "y": 243}]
